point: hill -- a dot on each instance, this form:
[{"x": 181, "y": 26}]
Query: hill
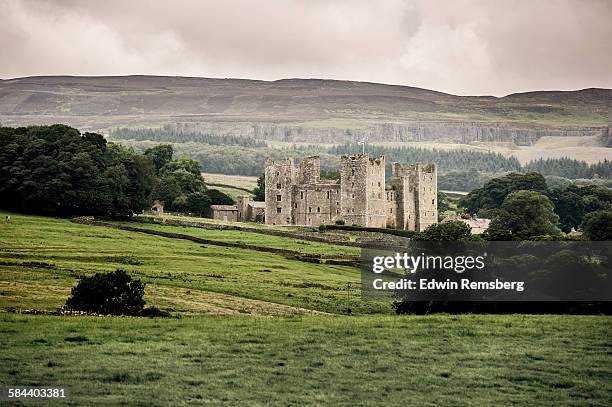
[{"x": 303, "y": 110}]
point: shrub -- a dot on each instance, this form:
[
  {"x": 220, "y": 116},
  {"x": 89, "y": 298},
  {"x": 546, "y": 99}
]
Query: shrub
[
  {"x": 340, "y": 222},
  {"x": 114, "y": 293},
  {"x": 598, "y": 225}
]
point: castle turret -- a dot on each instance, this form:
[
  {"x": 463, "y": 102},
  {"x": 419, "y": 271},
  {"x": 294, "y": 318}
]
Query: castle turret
[
  {"x": 362, "y": 182},
  {"x": 280, "y": 178},
  {"x": 416, "y": 196}
]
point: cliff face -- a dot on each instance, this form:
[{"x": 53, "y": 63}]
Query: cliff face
[{"x": 463, "y": 133}]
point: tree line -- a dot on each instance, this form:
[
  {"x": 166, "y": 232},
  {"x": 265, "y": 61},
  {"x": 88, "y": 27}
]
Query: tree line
[
  {"x": 168, "y": 133},
  {"x": 56, "y": 170},
  {"x": 522, "y": 206}
]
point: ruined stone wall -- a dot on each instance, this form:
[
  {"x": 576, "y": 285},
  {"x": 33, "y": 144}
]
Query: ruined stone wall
[
  {"x": 426, "y": 195},
  {"x": 309, "y": 171},
  {"x": 280, "y": 179},
  {"x": 390, "y": 209},
  {"x": 375, "y": 196},
  {"x": 296, "y": 195},
  {"x": 316, "y": 204},
  {"x": 353, "y": 189},
  {"x": 404, "y": 197}
]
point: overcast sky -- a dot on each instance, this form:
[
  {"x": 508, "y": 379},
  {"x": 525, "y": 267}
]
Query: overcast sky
[{"x": 462, "y": 47}]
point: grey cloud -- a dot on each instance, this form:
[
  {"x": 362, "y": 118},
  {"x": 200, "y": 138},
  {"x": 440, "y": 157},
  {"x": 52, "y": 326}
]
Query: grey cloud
[{"x": 463, "y": 47}]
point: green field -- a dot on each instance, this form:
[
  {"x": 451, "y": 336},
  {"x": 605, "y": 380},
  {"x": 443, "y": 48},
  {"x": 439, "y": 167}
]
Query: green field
[{"x": 258, "y": 328}]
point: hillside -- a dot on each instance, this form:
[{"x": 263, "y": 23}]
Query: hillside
[{"x": 303, "y": 110}]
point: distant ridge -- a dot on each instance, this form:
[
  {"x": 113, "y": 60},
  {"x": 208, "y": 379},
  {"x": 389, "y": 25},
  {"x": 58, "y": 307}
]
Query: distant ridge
[{"x": 294, "y": 109}]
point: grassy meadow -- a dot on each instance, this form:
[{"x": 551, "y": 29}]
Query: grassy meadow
[{"x": 257, "y": 328}]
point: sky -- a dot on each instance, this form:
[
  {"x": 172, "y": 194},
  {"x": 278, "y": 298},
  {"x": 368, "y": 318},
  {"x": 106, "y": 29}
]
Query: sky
[{"x": 465, "y": 47}]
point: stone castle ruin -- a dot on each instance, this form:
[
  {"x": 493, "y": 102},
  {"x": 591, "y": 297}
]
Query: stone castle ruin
[{"x": 296, "y": 194}]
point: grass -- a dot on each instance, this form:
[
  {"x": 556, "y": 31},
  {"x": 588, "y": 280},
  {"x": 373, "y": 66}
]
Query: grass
[
  {"x": 257, "y": 239},
  {"x": 250, "y": 329},
  {"x": 41, "y": 259},
  {"x": 435, "y": 360}
]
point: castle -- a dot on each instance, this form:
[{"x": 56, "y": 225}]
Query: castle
[{"x": 296, "y": 195}]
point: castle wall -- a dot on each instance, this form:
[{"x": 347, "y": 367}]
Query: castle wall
[
  {"x": 316, "y": 204},
  {"x": 391, "y": 209},
  {"x": 279, "y": 186},
  {"x": 353, "y": 189},
  {"x": 427, "y": 196},
  {"x": 376, "y": 197},
  {"x": 296, "y": 195}
]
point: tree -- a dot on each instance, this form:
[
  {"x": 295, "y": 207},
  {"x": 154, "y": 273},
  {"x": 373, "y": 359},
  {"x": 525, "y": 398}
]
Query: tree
[
  {"x": 219, "y": 198},
  {"x": 493, "y": 193},
  {"x": 448, "y": 231},
  {"x": 198, "y": 202},
  {"x": 160, "y": 155},
  {"x": 570, "y": 208},
  {"x": 598, "y": 225},
  {"x": 108, "y": 293},
  {"x": 167, "y": 189},
  {"x": 259, "y": 193},
  {"x": 185, "y": 164},
  {"x": 443, "y": 204},
  {"x": 525, "y": 214},
  {"x": 54, "y": 170}
]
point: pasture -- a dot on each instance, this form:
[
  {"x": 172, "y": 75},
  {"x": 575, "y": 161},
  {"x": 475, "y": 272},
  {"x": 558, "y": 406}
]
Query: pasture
[{"x": 257, "y": 328}]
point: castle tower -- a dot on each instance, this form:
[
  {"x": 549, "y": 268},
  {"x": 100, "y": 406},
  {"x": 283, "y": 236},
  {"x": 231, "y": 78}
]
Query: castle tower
[
  {"x": 280, "y": 178},
  {"x": 416, "y": 196},
  {"x": 362, "y": 189}
]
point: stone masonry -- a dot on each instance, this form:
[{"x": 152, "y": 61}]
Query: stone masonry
[{"x": 296, "y": 194}]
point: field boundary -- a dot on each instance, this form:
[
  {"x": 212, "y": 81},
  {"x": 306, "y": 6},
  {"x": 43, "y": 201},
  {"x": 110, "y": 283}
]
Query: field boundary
[
  {"x": 270, "y": 232},
  {"x": 341, "y": 260}
]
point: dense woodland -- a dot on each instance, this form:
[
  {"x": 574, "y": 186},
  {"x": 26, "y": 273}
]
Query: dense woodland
[
  {"x": 523, "y": 206},
  {"x": 55, "y": 170},
  {"x": 460, "y": 170}
]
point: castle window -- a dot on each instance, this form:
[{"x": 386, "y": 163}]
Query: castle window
[
  {"x": 353, "y": 210},
  {"x": 278, "y": 186},
  {"x": 318, "y": 209},
  {"x": 337, "y": 211},
  {"x": 277, "y": 174},
  {"x": 337, "y": 203},
  {"x": 309, "y": 209},
  {"x": 301, "y": 194},
  {"x": 327, "y": 194},
  {"x": 352, "y": 195},
  {"x": 352, "y": 171},
  {"x": 278, "y": 210},
  {"x": 432, "y": 201},
  {"x": 379, "y": 196},
  {"x": 279, "y": 198},
  {"x": 288, "y": 220},
  {"x": 352, "y": 185},
  {"x": 295, "y": 205},
  {"x": 390, "y": 210},
  {"x": 378, "y": 183}
]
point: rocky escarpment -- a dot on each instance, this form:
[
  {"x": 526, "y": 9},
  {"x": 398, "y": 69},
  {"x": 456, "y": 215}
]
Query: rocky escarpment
[{"x": 460, "y": 132}]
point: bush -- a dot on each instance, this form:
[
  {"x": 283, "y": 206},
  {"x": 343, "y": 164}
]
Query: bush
[
  {"x": 598, "y": 225},
  {"x": 114, "y": 293},
  {"x": 340, "y": 222},
  {"x": 448, "y": 231}
]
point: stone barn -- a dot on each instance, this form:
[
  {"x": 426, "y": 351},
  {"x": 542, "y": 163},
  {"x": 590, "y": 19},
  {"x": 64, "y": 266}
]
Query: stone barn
[{"x": 227, "y": 213}]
